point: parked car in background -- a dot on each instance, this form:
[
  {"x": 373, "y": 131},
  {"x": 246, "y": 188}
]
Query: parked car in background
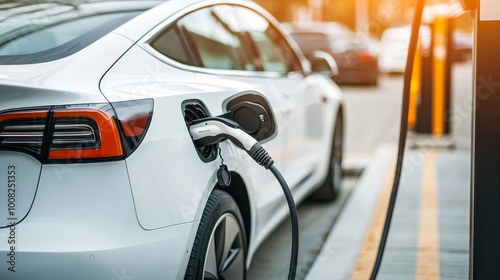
[
  {"x": 99, "y": 175},
  {"x": 394, "y": 49},
  {"x": 356, "y": 54}
]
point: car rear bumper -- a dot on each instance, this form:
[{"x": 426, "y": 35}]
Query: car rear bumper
[
  {"x": 82, "y": 225},
  {"x": 152, "y": 255},
  {"x": 143, "y": 257},
  {"x": 357, "y": 76}
]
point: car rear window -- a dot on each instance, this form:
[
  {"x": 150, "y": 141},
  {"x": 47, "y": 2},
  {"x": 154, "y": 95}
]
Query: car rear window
[
  {"x": 44, "y": 32},
  {"x": 311, "y": 41}
]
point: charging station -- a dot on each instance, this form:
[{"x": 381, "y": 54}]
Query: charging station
[
  {"x": 484, "y": 251},
  {"x": 485, "y": 192}
]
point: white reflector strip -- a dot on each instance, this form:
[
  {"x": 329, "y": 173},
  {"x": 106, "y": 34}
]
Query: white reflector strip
[
  {"x": 22, "y": 134},
  {"x": 74, "y": 134}
]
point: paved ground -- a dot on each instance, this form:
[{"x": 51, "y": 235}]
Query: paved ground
[
  {"x": 430, "y": 230},
  {"x": 373, "y": 115}
]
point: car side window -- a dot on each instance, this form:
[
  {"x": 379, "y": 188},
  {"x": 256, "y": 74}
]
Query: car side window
[
  {"x": 274, "y": 52},
  {"x": 170, "y": 44},
  {"x": 210, "y": 37}
]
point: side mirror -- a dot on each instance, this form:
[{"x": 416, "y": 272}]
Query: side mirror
[{"x": 323, "y": 63}]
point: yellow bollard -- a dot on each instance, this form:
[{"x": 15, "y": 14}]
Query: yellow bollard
[
  {"x": 415, "y": 87},
  {"x": 439, "y": 76}
]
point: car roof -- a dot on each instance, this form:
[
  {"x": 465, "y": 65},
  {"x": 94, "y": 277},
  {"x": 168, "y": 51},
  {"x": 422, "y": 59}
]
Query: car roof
[
  {"x": 20, "y": 15},
  {"x": 154, "y": 15}
]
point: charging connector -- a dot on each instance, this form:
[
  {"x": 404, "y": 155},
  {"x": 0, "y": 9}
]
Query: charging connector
[{"x": 209, "y": 131}]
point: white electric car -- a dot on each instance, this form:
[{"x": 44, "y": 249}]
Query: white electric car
[{"x": 99, "y": 175}]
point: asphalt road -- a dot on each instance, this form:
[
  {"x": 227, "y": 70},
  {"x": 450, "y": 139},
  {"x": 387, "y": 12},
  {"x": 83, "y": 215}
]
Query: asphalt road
[{"x": 373, "y": 116}]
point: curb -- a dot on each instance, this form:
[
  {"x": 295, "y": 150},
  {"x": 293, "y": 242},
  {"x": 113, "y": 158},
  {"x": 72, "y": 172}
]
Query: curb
[{"x": 340, "y": 250}]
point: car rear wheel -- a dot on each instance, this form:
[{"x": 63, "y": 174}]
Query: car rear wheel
[
  {"x": 330, "y": 188},
  {"x": 219, "y": 250}
]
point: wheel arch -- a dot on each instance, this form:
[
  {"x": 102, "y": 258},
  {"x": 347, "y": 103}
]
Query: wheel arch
[
  {"x": 341, "y": 114},
  {"x": 340, "y": 111},
  {"x": 238, "y": 191}
]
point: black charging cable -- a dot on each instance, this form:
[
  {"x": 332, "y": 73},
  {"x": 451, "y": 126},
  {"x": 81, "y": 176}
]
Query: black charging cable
[
  {"x": 212, "y": 130},
  {"x": 262, "y": 158},
  {"x": 295, "y": 224},
  {"x": 417, "y": 18}
]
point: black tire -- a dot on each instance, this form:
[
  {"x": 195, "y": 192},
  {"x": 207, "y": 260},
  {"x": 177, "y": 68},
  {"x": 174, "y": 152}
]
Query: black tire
[
  {"x": 331, "y": 186},
  {"x": 219, "y": 249}
]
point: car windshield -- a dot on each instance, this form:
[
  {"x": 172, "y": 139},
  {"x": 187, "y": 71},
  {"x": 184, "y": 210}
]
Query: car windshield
[{"x": 35, "y": 31}]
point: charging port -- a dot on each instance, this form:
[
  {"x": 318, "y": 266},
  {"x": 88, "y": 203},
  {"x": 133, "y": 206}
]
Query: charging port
[{"x": 194, "y": 110}]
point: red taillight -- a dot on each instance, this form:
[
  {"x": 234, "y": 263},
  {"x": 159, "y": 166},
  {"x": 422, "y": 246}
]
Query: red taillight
[
  {"x": 135, "y": 126},
  {"x": 365, "y": 57},
  {"x": 23, "y": 130},
  {"x": 84, "y": 134},
  {"x": 134, "y": 118},
  {"x": 77, "y": 132}
]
